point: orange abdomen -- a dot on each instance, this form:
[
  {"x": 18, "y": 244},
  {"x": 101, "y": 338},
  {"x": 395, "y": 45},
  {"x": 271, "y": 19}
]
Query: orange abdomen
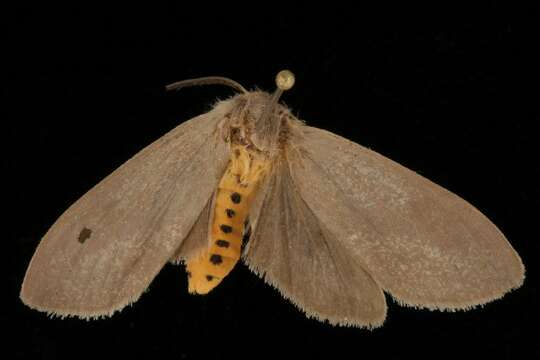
[{"x": 235, "y": 194}]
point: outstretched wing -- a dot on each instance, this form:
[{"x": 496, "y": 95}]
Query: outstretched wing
[
  {"x": 104, "y": 251},
  {"x": 424, "y": 245},
  {"x": 299, "y": 255}
]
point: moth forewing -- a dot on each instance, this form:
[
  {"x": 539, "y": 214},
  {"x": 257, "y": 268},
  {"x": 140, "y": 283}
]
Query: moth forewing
[
  {"x": 137, "y": 217},
  {"x": 424, "y": 245}
]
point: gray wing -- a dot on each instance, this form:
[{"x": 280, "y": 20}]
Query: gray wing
[
  {"x": 104, "y": 251},
  {"x": 422, "y": 244},
  {"x": 296, "y": 253}
]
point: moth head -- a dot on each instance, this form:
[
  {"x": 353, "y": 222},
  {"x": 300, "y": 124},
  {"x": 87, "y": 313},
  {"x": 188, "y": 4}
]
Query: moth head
[
  {"x": 269, "y": 120},
  {"x": 253, "y": 117}
]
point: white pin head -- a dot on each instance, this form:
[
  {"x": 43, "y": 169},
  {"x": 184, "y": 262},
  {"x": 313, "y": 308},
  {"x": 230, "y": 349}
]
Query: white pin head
[{"x": 285, "y": 80}]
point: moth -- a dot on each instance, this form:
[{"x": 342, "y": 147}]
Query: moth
[{"x": 333, "y": 225}]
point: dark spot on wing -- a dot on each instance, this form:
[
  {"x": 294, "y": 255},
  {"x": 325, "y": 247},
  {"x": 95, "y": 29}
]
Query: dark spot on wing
[
  {"x": 209, "y": 277},
  {"x": 189, "y": 274},
  {"x": 216, "y": 259},
  {"x": 225, "y": 228},
  {"x": 236, "y": 198},
  {"x": 84, "y": 235},
  {"x": 230, "y": 213},
  {"x": 222, "y": 243}
]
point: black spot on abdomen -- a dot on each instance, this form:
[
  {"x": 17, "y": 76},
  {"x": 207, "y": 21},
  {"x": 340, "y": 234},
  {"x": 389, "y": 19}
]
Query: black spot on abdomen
[
  {"x": 236, "y": 197},
  {"x": 222, "y": 243},
  {"x": 226, "y": 228},
  {"x": 216, "y": 259},
  {"x": 84, "y": 235}
]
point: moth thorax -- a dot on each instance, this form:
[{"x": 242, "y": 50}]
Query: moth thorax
[{"x": 247, "y": 166}]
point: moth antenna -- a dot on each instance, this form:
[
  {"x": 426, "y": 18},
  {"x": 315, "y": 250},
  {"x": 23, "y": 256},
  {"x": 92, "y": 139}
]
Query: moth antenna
[{"x": 208, "y": 80}]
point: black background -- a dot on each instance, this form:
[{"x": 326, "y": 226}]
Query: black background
[{"x": 448, "y": 91}]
